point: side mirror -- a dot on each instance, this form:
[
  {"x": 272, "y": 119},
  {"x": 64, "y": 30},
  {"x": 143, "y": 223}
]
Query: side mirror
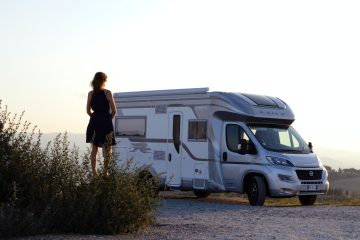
[{"x": 310, "y": 147}]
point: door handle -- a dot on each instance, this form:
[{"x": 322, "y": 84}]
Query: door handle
[
  {"x": 169, "y": 157},
  {"x": 224, "y": 156}
]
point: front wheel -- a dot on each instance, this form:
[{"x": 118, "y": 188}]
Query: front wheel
[
  {"x": 307, "y": 200},
  {"x": 201, "y": 194},
  {"x": 256, "y": 191}
]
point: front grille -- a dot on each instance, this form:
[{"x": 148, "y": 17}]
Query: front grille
[
  {"x": 309, "y": 174},
  {"x": 312, "y": 182}
]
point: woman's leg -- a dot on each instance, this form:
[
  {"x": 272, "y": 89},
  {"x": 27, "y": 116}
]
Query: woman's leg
[
  {"x": 94, "y": 152},
  {"x": 108, "y": 152}
]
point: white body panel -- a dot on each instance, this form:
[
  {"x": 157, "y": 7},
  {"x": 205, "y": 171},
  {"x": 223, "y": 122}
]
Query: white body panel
[{"x": 161, "y": 127}]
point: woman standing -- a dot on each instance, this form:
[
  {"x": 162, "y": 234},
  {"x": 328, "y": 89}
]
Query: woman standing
[{"x": 100, "y": 130}]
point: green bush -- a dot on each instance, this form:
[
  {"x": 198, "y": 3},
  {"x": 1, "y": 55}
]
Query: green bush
[{"x": 51, "y": 190}]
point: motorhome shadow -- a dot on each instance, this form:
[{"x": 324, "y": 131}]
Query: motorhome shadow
[{"x": 207, "y": 142}]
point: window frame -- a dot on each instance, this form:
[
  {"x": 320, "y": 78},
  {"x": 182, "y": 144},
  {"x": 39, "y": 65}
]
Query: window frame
[
  {"x": 206, "y": 130},
  {"x": 240, "y": 128},
  {"x": 176, "y": 132},
  {"x": 131, "y": 117}
]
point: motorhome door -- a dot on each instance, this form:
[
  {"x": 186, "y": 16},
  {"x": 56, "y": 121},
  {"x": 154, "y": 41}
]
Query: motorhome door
[
  {"x": 173, "y": 173},
  {"x": 233, "y": 160}
]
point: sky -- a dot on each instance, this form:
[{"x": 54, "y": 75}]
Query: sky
[{"x": 305, "y": 52}]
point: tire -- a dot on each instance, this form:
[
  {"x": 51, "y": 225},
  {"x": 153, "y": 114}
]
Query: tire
[
  {"x": 256, "y": 191},
  {"x": 201, "y": 194},
  {"x": 307, "y": 200}
]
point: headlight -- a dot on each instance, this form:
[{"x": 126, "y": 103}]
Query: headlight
[
  {"x": 279, "y": 161},
  {"x": 285, "y": 178}
]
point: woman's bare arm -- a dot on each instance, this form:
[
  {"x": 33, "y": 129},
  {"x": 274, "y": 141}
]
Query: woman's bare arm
[
  {"x": 88, "y": 108},
  {"x": 110, "y": 98}
]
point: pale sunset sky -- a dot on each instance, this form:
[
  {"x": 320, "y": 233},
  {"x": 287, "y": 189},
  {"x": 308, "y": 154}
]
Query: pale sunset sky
[{"x": 305, "y": 52}]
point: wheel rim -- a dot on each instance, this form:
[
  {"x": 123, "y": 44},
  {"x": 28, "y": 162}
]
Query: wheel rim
[{"x": 253, "y": 191}]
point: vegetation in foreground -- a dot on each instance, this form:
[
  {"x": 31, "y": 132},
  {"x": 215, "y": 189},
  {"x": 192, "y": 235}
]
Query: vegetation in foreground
[
  {"x": 52, "y": 191},
  {"x": 344, "y": 182}
]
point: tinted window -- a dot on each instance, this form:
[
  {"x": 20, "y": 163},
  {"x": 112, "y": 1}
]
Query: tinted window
[
  {"x": 261, "y": 100},
  {"x": 130, "y": 126},
  {"x": 176, "y": 132},
  {"x": 233, "y": 134},
  {"x": 279, "y": 138},
  {"x": 197, "y": 130}
]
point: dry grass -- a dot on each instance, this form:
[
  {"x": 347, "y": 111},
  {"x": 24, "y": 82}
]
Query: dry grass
[
  {"x": 351, "y": 185},
  {"x": 241, "y": 199}
]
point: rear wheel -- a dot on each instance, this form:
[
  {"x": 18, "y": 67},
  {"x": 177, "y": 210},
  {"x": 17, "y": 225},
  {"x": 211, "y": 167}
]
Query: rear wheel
[
  {"x": 201, "y": 194},
  {"x": 256, "y": 191},
  {"x": 307, "y": 200}
]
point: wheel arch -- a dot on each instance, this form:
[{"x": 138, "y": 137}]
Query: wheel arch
[{"x": 147, "y": 169}]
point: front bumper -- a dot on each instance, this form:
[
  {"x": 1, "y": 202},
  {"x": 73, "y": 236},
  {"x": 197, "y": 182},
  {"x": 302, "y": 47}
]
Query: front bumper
[{"x": 285, "y": 182}]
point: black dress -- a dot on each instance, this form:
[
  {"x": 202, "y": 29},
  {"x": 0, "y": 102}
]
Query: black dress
[{"x": 100, "y": 130}]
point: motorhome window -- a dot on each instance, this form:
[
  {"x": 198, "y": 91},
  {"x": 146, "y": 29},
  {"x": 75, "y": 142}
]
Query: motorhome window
[
  {"x": 197, "y": 130},
  {"x": 176, "y": 132},
  {"x": 233, "y": 134},
  {"x": 287, "y": 139},
  {"x": 130, "y": 126},
  {"x": 279, "y": 138}
]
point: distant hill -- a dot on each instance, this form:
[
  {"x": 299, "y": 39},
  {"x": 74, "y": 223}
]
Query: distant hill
[
  {"x": 330, "y": 157},
  {"x": 78, "y": 139},
  {"x": 338, "y": 158},
  {"x": 352, "y": 185}
]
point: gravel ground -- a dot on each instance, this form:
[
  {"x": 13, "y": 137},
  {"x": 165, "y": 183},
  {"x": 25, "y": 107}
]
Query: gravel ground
[{"x": 193, "y": 219}]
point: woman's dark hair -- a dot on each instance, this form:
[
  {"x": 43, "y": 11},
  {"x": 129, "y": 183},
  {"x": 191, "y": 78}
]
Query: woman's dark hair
[{"x": 98, "y": 81}]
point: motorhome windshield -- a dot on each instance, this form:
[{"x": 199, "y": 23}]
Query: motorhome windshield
[{"x": 279, "y": 138}]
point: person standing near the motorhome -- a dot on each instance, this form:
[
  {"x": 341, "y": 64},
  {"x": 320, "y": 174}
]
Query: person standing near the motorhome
[{"x": 100, "y": 130}]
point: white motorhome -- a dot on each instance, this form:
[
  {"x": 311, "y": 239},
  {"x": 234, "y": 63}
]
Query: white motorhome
[{"x": 206, "y": 142}]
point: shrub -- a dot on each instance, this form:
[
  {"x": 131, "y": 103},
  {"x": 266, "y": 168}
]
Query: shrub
[{"x": 51, "y": 190}]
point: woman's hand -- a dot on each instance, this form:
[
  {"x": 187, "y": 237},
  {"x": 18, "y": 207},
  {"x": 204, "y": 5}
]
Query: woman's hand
[
  {"x": 110, "y": 98},
  {"x": 88, "y": 108}
]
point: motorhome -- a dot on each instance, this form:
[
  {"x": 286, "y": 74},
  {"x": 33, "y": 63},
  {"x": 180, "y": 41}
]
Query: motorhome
[{"x": 207, "y": 142}]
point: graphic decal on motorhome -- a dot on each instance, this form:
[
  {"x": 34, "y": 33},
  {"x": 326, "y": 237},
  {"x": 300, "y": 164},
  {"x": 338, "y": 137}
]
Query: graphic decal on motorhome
[{"x": 142, "y": 147}]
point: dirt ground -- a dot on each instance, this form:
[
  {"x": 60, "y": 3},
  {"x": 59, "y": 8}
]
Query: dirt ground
[{"x": 189, "y": 218}]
